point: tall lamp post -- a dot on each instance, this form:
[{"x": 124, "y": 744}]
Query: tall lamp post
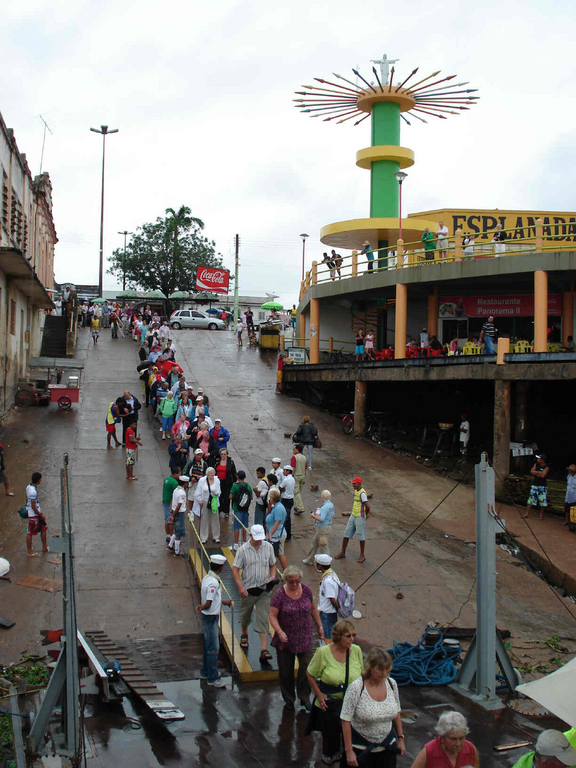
[
  {"x": 125, "y": 233},
  {"x": 400, "y": 176},
  {"x": 303, "y": 236},
  {"x": 104, "y": 131}
]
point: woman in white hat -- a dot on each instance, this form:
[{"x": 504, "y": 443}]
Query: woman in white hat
[{"x": 209, "y": 610}]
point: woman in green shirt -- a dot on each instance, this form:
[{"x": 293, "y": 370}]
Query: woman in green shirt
[
  {"x": 329, "y": 677},
  {"x": 429, "y": 245}
]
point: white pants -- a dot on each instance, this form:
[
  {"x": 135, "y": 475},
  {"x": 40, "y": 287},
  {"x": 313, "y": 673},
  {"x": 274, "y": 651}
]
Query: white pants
[{"x": 209, "y": 519}]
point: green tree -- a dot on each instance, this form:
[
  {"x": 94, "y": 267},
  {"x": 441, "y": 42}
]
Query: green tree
[{"x": 163, "y": 255}]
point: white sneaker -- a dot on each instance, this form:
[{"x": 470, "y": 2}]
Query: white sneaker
[
  {"x": 218, "y": 683},
  {"x": 236, "y": 547},
  {"x": 216, "y": 541},
  {"x": 306, "y": 562}
]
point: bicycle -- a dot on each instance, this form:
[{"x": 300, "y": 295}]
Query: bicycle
[
  {"x": 339, "y": 356},
  {"x": 31, "y": 396}
]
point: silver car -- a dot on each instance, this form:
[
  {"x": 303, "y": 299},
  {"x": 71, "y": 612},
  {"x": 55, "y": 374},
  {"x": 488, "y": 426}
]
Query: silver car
[{"x": 192, "y": 318}]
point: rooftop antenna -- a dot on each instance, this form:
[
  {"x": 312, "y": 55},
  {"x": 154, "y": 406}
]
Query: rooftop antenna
[{"x": 46, "y": 128}]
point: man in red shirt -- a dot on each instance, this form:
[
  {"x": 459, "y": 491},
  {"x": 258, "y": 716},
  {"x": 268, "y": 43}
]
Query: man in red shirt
[{"x": 132, "y": 443}]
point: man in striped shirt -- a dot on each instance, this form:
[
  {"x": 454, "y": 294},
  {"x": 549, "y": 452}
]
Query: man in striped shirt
[{"x": 254, "y": 571}]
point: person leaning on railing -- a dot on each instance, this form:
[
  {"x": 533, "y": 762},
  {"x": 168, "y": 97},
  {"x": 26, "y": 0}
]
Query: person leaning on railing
[{"x": 429, "y": 245}]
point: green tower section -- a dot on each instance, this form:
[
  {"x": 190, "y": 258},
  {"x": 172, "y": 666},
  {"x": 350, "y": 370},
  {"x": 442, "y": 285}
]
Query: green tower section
[{"x": 383, "y": 183}]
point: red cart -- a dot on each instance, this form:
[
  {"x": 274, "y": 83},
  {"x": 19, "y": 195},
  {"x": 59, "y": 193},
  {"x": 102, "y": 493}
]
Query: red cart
[{"x": 65, "y": 394}]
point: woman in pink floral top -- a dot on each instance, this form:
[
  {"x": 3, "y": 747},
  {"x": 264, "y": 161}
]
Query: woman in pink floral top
[{"x": 292, "y": 610}]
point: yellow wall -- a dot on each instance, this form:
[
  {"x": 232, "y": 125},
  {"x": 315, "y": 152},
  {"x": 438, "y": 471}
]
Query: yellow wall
[{"x": 560, "y": 225}]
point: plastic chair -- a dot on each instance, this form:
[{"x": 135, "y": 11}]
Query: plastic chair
[
  {"x": 553, "y": 347},
  {"x": 470, "y": 348}
]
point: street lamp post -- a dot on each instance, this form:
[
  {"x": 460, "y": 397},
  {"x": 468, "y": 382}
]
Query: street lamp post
[
  {"x": 104, "y": 131},
  {"x": 400, "y": 176},
  {"x": 125, "y": 233},
  {"x": 303, "y": 236}
]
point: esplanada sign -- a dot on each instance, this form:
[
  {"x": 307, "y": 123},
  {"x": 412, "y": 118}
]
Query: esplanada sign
[{"x": 210, "y": 279}]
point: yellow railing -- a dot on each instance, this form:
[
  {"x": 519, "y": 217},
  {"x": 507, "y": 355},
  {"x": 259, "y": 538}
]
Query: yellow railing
[{"x": 412, "y": 254}]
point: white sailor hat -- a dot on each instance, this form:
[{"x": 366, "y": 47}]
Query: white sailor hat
[
  {"x": 323, "y": 559},
  {"x": 217, "y": 559}
]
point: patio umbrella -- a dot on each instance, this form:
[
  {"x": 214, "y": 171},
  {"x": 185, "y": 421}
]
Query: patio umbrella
[
  {"x": 130, "y": 293},
  {"x": 555, "y": 692},
  {"x": 179, "y": 295},
  {"x": 213, "y": 311},
  {"x": 154, "y": 295},
  {"x": 272, "y": 305},
  {"x": 99, "y": 300}
]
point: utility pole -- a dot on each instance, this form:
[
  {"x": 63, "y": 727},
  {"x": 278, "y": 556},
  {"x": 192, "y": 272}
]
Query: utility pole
[
  {"x": 104, "y": 132},
  {"x": 236, "y": 266},
  {"x": 125, "y": 233}
]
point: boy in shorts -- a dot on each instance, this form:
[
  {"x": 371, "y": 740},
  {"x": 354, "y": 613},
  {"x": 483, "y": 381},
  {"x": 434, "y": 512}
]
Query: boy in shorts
[
  {"x": 132, "y": 443},
  {"x": 36, "y": 520}
]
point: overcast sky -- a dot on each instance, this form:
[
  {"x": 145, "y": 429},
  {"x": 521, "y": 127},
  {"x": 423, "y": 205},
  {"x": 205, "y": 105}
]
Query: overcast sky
[{"x": 202, "y": 94}]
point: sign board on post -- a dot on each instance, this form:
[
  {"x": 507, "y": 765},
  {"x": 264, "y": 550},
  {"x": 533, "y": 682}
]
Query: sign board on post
[
  {"x": 298, "y": 354},
  {"x": 210, "y": 279},
  {"x": 456, "y": 307}
]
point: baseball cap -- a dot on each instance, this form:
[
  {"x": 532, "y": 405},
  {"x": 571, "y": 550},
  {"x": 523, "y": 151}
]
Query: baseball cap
[
  {"x": 183, "y": 479},
  {"x": 200, "y": 389},
  {"x": 276, "y": 460},
  {"x": 198, "y": 450},
  {"x": 200, "y": 398},
  {"x": 218, "y": 420},
  {"x": 541, "y": 456},
  {"x": 257, "y": 532},
  {"x": 356, "y": 480},
  {"x": 552, "y": 743},
  {"x": 217, "y": 559},
  {"x": 287, "y": 466},
  {"x": 323, "y": 559}
]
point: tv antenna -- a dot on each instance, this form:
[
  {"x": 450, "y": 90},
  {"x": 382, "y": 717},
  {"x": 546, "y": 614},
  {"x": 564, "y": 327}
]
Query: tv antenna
[{"x": 46, "y": 128}]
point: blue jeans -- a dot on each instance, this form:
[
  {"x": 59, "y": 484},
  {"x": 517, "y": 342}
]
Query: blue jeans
[
  {"x": 211, "y": 647},
  {"x": 489, "y": 349},
  {"x": 308, "y": 449},
  {"x": 328, "y": 620},
  {"x": 167, "y": 510}
]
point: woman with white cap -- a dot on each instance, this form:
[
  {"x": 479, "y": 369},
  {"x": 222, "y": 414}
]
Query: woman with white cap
[
  {"x": 209, "y": 610},
  {"x": 178, "y": 516},
  {"x": 206, "y": 501}
]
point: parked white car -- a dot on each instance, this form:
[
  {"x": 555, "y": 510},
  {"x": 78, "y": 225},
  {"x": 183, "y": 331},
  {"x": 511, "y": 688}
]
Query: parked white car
[{"x": 192, "y": 318}]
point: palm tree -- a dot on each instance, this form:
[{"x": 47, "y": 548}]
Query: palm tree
[{"x": 177, "y": 221}]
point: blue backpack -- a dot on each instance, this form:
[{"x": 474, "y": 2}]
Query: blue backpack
[{"x": 346, "y": 597}]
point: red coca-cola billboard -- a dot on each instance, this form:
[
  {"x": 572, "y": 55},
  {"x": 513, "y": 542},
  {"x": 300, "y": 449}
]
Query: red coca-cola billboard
[{"x": 210, "y": 279}]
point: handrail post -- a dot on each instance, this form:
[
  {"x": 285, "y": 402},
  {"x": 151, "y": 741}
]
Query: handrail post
[
  {"x": 354, "y": 264},
  {"x": 331, "y": 344},
  {"x": 458, "y": 245},
  {"x": 400, "y": 252},
  {"x": 314, "y": 272},
  {"x": 308, "y": 281},
  {"x": 302, "y": 289},
  {"x": 539, "y": 235}
]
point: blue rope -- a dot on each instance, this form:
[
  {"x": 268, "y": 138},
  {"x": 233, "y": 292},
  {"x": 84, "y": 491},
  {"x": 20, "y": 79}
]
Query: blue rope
[{"x": 423, "y": 664}]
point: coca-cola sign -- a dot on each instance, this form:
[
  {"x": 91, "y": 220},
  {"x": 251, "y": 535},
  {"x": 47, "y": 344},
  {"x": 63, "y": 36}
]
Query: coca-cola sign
[{"x": 210, "y": 279}]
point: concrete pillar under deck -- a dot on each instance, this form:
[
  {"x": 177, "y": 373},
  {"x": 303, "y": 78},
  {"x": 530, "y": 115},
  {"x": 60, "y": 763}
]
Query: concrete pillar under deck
[
  {"x": 501, "y": 451},
  {"x": 521, "y": 392},
  {"x": 315, "y": 331},
  {"x": 433, "y": 312},
  {"x": 540, "y": 311},
  {"x": 401, "y": 320},
  {"x": 360, "y": 397},
  {"x": 567, "y": 315}
]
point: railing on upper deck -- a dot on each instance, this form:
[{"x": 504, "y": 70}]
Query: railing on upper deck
[{"x": 406, "y": 255}]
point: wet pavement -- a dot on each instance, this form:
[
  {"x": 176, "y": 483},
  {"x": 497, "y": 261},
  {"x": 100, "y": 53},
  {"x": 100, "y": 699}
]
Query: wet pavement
[{"x": 130, "y": 588}]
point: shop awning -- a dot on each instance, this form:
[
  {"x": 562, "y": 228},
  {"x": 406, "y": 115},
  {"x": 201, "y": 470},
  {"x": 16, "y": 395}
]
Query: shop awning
[{"x": 15, "y": 266}]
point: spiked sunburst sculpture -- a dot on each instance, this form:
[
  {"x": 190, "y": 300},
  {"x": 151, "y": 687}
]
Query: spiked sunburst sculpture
[{"x": 387, "y": 102}]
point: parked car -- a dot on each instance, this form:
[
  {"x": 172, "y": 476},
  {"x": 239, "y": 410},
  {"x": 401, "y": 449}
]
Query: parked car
[{"x": 192, "y": 318}]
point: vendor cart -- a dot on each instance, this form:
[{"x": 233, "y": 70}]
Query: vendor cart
[
  {"x": 65, "y": 394},
  {"x": 270, "y": 335}
]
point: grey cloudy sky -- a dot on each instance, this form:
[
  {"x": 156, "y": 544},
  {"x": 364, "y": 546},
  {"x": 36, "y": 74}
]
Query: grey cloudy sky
[{"x": 202, "y": 94}]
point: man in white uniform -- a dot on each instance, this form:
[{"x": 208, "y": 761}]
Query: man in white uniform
[
  {"x": 209, "y": 610},
  {"x": 328, "y": 597},
  {"x": 277, "y": 469}
]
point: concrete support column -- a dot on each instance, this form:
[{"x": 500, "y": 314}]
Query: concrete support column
[
  {"x": 567, "y": 315},
  {"x": 331, "y": 344},
  {"x": 520, "y": 430},
  {"x": 501, "y": 452},
  {"x": 315, "y": 331},
  {"x": 540, "y": 311},
  {"x": 539, "y": 235},
  {"x": 401, "y": 319},
  {"x": 432, "y": 326},
  {"x": 360, "y": 396}
]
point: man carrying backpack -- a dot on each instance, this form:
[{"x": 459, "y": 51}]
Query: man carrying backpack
[
  {"x": 328, "y": 597},
  {"x": 357, "y": 521},
  {"x": 241, "y": 497}
]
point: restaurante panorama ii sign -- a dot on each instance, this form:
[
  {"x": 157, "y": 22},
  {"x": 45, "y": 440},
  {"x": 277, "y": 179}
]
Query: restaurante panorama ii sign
[{"x": 558, "y": 225}]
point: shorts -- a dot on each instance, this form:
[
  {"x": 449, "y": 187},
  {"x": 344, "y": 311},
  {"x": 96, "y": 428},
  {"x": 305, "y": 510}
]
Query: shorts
[
  {"x": 130, "y": 457},
  {"x": 259, "y": 514},
  {"x": 3, "y": 478},
  {"x": 359, "y": 349},
  {"x": 442, "y": 244},
  {"x": 356, "y": 525},
  {"x": 111, "y": 428},
  {"x": 538, "y": 496},
  {"x": 180, "y": 525},
  {"x": 167, "y": 510},
  {"x": 261, "y": 605},
  {"x": 239, "y": 334},
  {"x": 369, "y": 345},
  {"x": 278, "y": 545},
  {"x": 240, "y": 519},
  {"x": 36, "y": 525}
]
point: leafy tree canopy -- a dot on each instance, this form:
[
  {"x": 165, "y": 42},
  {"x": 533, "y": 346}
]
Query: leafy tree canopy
[{"x": 163, "y": 255}]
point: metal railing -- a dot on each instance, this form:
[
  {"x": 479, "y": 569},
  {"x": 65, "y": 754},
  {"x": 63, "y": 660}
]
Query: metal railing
[{"x": 412, "y": 254}]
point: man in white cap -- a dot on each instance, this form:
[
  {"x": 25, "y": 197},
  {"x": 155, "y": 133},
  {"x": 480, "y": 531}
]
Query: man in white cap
[
  {"x": 553, "y": 750},
  {"x": 178, "y": 516},
  {"x": 286, "y": 487},
  {"x": 328, "y": 597},
  {"x": 277, "y": 469},
  {"x": 254, "y": 572},
  {"x": 209, "y": 610}
]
